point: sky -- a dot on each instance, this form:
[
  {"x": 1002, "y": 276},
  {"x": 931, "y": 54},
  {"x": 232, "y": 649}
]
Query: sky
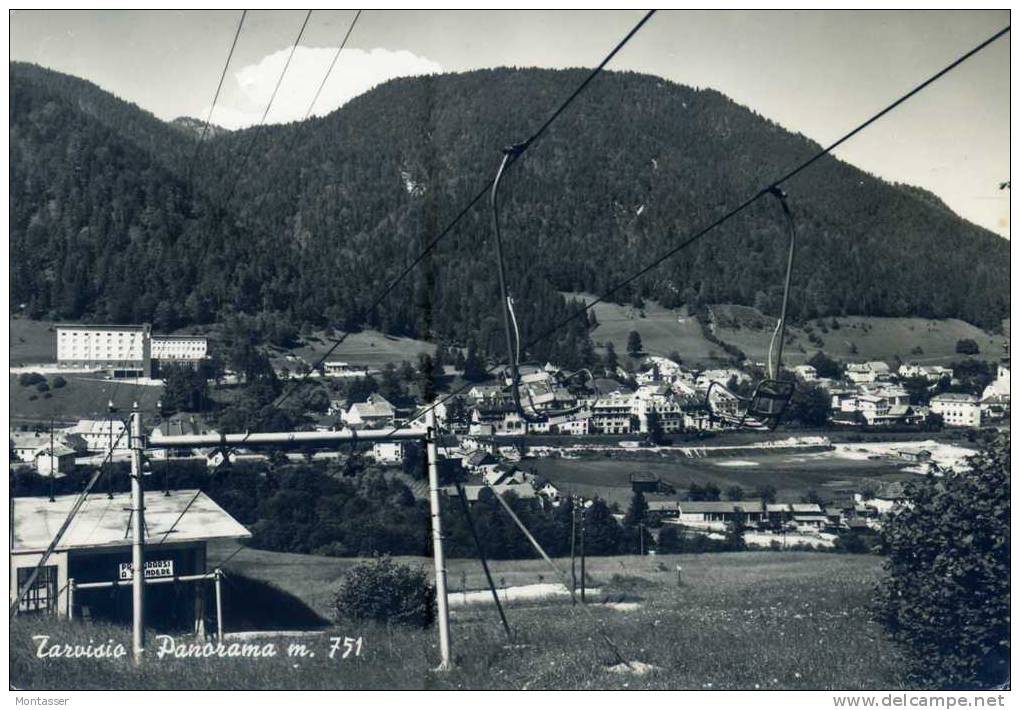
[{"x": 819, "y": 73}]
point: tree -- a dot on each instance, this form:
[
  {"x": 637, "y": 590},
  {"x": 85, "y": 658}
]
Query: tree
[
  {"x": 634, "y": 346},
  {"x": 825, "y": 366},
  {"x": 184, "y": 389},
  {"x": 946, "y": 595},
  {"x": 735, "y": 532},
  {"x": 810, "y": 405},
  {"x": 474, "y": 367},
  {"x": 766, "y": 494},
  {"x": 933, "y": 421},
  {"x": 612, "y": 361},
  {"x": 671, "y": 540},
  {"x": 602, "y": 533},
  {"x": 967, "y": 346},
  {"x": 655, "y": 433},
  {"x": 735, "y": 493},
  {"x": 638, "y": 510}
]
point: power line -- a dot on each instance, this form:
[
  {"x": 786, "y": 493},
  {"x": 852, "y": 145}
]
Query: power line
[
  {"x": 739, "y": 208},
  {"x": 79, "y": 502},
  {"x": 332, "y": 64},
  {"x": 478, "y": 196},
  {"x": 435, "y": 241},
  {"x": 262, "y": 122},
  {"x": 216, "y": 96}
]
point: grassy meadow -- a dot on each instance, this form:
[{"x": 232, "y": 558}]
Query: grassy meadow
[
  {"x": 84, "y": 396},
  {"x": 738, "y": 621},
  {"x": 793, "y": 475},
  {"x": 368, "y": 348},
  {"x": 858, "y": 338}
]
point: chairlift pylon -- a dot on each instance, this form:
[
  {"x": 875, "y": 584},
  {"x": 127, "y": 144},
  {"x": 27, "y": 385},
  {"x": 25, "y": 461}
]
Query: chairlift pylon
[{"x": 771, "y": 396}]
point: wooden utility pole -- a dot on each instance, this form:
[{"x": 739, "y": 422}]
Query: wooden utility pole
[
  {"x": 584, "y": 581},
  {"x": 573, "y": 537},
  {"x": 53, "y": 474},
  {"x": 137, "y": 538},
  {"x": 437, "y": 543}
]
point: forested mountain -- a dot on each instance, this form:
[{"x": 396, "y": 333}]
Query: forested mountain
[{"x": 111, "y": 219}]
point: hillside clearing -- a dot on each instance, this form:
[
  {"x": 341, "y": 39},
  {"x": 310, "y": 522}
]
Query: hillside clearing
[{"x": 857, "y": 338}]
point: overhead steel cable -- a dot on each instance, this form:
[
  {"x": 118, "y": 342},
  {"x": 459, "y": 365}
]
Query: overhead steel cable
[
  {"x": 216, "y": 96},
  {"x": 446, "y": 230},
  {"x": 767, "y": 189},
  {"x": 482, "y": 192},
  {"x": 332, "y": 64},
  {"x": 265, "y": 114},
  {"x": 75, "y": 508}
]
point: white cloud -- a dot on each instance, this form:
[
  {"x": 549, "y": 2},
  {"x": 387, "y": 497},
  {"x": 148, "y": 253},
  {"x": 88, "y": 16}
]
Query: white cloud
[{"x": 356, "y": 71}]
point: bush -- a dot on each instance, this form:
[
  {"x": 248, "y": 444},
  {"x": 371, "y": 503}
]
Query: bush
[
  {"x": 967, "y": 346},
  {"x": 382, "y": 590},
  {"x": 57, "y": 382},
  {"x": 946, "y": 593},
  {"x": 27, "y": 379},
  {"x": 42, "y": 387}
]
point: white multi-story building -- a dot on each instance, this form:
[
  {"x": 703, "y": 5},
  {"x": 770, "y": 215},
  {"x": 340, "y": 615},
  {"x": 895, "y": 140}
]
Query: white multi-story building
[
  {"x": 957, "y": 409},
  {"x": 99, "y": 434},
  {"x": 179, "y": 348},
  {"x": 124, "y": 350}
]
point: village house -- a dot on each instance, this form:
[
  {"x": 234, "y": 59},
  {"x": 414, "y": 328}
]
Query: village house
[
  {"x": 957, "y": 409},
  {"x": 867, "y": 372},
  {"x": 932, "y": 373},
  {"x": 662, "y": 505},
  {"x": 717, "y": 514},
  {"x": 99, "y": 434},
  {"x": 374, "y": 413},
  {"x": 491, "y": 417},
  {"x": 660, "y": 402},
  {"x": 25, "y": 444},
  {"x": 807, "y": 373},
  {"x": 55, "y": 461},
  {"x": 389, "y": 452},
  {"x": 613, "y": 414},
  {"x": 94, "y": 549},
  {"x": 721, "y": 376},
  {"x": 343, "y": 370}
]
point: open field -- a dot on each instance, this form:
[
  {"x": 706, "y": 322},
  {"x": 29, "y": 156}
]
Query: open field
[
  {"x": 661, "y": 332},
  {"x": 740, "y": 620},
  {"x": 84, "y": 396},
  {"x": 873, "y": 338},
  {"x": 32, "y": 341},
  {"x": 793, "y": 475},
  {"x": 369, "y": 348}
]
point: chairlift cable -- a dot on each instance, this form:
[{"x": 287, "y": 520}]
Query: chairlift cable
[
  {"x": 736, "y": 210},
  {"x": 471, "y": 203},
  {"x": 332, "y": 64},
  {"x": 216, "y": 96}
]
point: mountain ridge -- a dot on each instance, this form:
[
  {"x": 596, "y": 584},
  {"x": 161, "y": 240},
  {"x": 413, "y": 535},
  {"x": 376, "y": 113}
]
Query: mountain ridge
[{"x": 328, "y": 210}]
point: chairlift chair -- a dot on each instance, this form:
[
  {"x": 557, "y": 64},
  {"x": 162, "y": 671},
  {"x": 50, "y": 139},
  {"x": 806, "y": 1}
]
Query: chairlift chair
[
  {"x": 771, "y": 396},
  {"x": 528, "y": 412}
]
